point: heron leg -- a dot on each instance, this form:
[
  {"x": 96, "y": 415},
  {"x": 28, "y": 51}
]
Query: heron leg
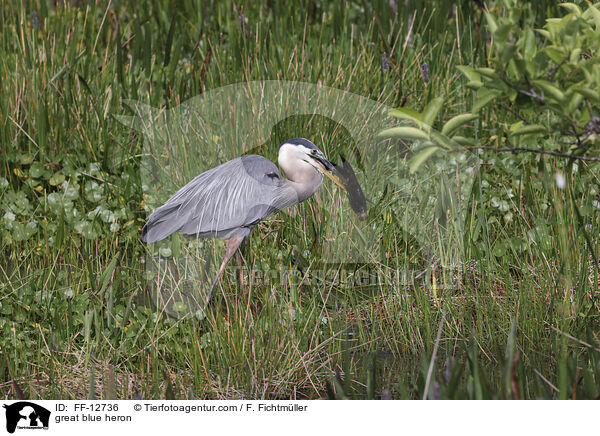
[
  {"x": 238, "y": 257},
  {"x": 233, "y": 244}
]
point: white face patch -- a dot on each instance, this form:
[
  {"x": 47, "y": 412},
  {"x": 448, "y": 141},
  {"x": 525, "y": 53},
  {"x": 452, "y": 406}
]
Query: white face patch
[
  {"x": 295, "y": 159},
  {"x": 291, "y": 154}
]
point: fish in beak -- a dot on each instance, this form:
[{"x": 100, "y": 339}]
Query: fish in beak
[
  {"x": 357, "y": 198},
  {"x": 344, "y": 177},
  {"x": 328, "y": 169}
]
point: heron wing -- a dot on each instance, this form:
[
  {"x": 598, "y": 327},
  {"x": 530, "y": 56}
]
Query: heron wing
[{"x": 230, "y": 198}]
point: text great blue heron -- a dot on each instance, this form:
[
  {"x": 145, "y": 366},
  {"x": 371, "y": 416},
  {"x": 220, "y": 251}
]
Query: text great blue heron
[{"x": 228, "y": 201}]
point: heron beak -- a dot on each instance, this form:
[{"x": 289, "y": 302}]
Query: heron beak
[{"x": 328, "y": 170}]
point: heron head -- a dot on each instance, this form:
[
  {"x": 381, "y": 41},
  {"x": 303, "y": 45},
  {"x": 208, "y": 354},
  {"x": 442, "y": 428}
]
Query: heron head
[{"x": 298, "y": 151}]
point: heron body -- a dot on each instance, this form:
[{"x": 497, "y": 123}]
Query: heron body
[
  {"x": 215, "y": 203},
  {"x": 228, "y": 201}
]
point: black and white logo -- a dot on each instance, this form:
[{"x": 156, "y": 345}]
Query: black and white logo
[{"x": 26, "y": 415}]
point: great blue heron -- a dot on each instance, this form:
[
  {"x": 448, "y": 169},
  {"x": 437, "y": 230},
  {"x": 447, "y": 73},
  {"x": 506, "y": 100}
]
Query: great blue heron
[{"x": 228, "y": 201}]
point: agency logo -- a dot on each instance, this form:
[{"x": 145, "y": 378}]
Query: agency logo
[{"x": 26, "y": 415}]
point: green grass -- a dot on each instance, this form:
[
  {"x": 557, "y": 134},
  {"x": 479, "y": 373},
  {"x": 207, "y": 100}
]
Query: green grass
[{"x": 74, "y": 303}]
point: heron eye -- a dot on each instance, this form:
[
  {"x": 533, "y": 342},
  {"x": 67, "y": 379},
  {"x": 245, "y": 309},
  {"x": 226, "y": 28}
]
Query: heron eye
[{"x": 314, "y": 152}]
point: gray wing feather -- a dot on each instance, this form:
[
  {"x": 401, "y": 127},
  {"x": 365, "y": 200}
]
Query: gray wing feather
[{"x": 231, "y": 198}]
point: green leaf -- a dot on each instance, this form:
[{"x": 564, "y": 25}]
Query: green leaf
[
  {"x": 544, "y": 33},
  {"x": 497, "y": 84},
  {"x": 443, "y": 140},
  {"x": 406, "y": 114},
  {"x": 484, "y": 96},
  {"x": 528, "y": 130},
  {"x": 508, "y": 52},
  {"x": 529, "y": 44},
  {"x": 59, "y": 73},
  {"x": 471, "y": 74},
  {"x": 119, "y": 56},
  {"x": 491, "y": 22},
  {"x": 465, "y": 142},
  {"x": 25, "y": 159},
  {"x": 586, "y": 92},
  {"x": 57, "y": 179},
  {"x": 42, "y": 125},
  {"x": 549, "y": 89},
  {"x": 65, "y": 67},
  {"x": 108, "y": 272},
  {"x": 432, "y": 109},
  {"x": 421, "y": 157},
  {"x": 556, "y": 54},
  {"x": 594, "y": 14},
  {"x": 571, "y": 7},
  {"x": 474, "y": 85},
  {"x": 148, "y": 50},
  {"x": 169, "y": 42},
  {"x": 490, "y": 73},
  {"x": 501, "y": 34},
  {"x": 404, "y": 132},
  {"x": 36, "y": 170},
  {"x": 574, "y": 102},
  {"x": 456, "y": 122}
]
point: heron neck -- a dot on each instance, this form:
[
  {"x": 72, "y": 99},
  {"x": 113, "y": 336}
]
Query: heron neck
[{"x": 305, "y": 182}]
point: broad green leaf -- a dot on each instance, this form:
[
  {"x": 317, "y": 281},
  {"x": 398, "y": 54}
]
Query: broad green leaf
[
  {"x": 432, "y": 109},
  {"x": 586, "y": 92},
  {"x": 529, "y": 130},
  {"x": 443, "y": 140},
  {"x": 498, "y": 84},
  {"x": 421, "y": 157},
  {"x": 556, "y": 54},
  {"x": 571, "y": 7},
  {"x": 407, "y": 114},
  {"x": 501, "y": 35},
  {"x": 25, "y": 159},
  {"x": 57, "y": 179},
  {"x": 465, "y": 142},
  {"x": 544, "y": 33},
  {"x": 474, "y": 85},
  {"x": 491, "y": 22},
  {"x": 516, "y": 126},
  {"x": 554, "y": 27},
  {"x": 36, "y": 170},
  {"x": 456, "y": 122},
  {"x": 404, "y": 132},
  {"x": 593, "y": 13},
  {"x": 529, "y": 44},
  {"x": 490, "y": 73},
  {"x": 574, "y": 102},
  {"x": 469, "y": 73},
  {"x": 549, "y": 89},
  {"x": 484, "y": 96},
  {"x": 508, "y": 53}
]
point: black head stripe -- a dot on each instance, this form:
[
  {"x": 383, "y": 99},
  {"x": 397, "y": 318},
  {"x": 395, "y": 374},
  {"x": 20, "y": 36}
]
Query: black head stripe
[{"x": 300, "y": 141}]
